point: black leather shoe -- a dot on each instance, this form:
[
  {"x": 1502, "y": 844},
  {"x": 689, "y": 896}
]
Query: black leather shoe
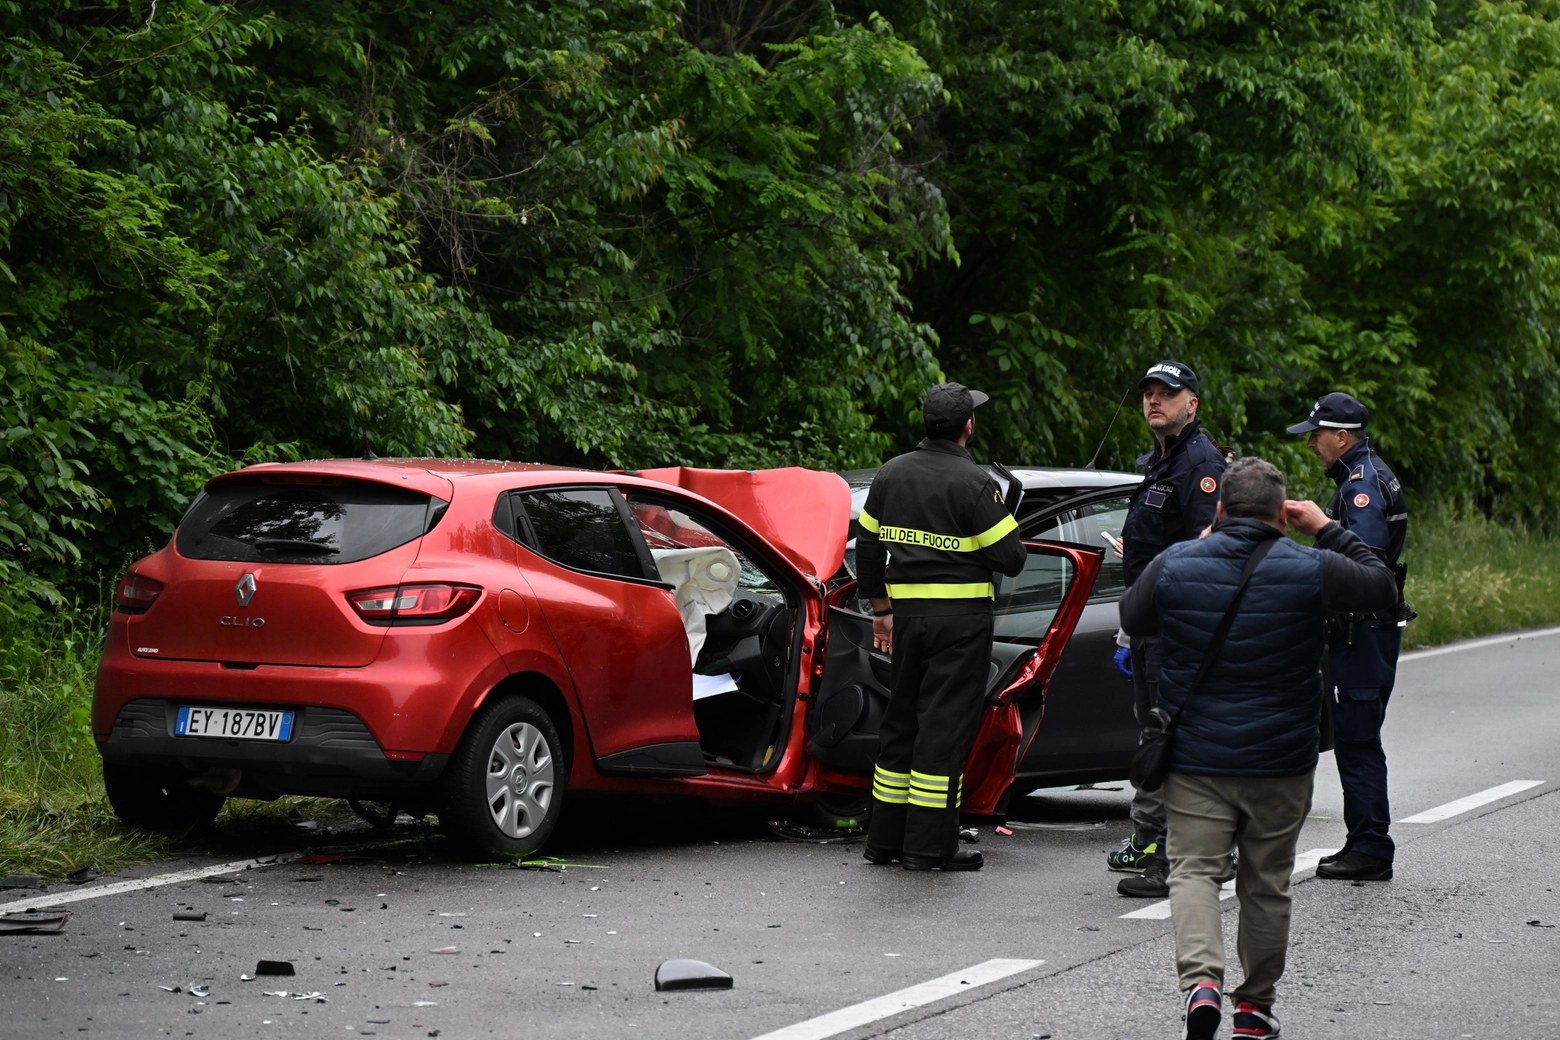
[
  {"x": 1356, "y": 866},
  {"x": 964, "y": 859},
  {"x": 1335, "y": 857},
  {"x": 881, "y": 857}
]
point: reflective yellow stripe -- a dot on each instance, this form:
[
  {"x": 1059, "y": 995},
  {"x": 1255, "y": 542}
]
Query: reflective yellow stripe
[
  {"x": 893, "y": 796},
  {"x": 925, "y": 801},
  {"x": 976, "y": 590},
  {"x": 929, "y": 780},
  {"x": 868, "y": 522},
  {"x": 879, "y": 773},
  {"x": 948, "y": 542}
]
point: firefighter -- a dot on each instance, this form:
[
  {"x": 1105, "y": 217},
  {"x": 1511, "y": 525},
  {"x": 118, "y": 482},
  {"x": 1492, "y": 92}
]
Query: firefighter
[
  {"x": 1362, "y": 649},
  {"x": 940, "y": 524}
]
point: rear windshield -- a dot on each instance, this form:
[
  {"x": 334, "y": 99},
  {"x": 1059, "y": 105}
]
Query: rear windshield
[{"x": 256, "y": 522}]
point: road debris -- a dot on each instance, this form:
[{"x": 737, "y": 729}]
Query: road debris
[
  {"x": 200, "y": 991},
  {"x": 190, "y": 915},
  {"x": 34, "y": 922},
  {"x": 82, "y": 876},
  {"x": 683, "y": 973},
  {"x": 1006, "y": 832},
  {"x": 274, "y": 968},
  {"x": 21, "y": 881},
  {"x": 446, "y": 949}
]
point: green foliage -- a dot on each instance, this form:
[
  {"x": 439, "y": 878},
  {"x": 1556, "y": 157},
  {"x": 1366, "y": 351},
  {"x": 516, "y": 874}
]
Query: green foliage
[
  {"x": 1468, "y": 576},
  {"x": 637, "y": 232}
]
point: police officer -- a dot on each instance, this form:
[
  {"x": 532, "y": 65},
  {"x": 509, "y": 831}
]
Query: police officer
[
  {"x": 940, "y": 521},
  {"x": 1177, "y": 500},
  {"x": 1363, "y": 648}
]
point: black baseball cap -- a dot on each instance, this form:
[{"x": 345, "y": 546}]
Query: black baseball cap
[
  {"x": 1174, "y": 374},
  {"x": 948, "y": 405},
  {"x": 1336, "y": 411}
]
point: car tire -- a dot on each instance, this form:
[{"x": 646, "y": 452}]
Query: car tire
[
  {"x": 159, "y": 800},
  {"x": 503, "y": 787}
]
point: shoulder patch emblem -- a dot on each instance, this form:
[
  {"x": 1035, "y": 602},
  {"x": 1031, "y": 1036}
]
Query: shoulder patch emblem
[
  {"x": 1361, "y": 500},
  {"x": 1209, "y": 485},
  {"x": 1358, "y": 474}
]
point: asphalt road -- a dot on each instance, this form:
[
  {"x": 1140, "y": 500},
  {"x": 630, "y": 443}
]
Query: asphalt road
[{"x": 398, "y": 943}]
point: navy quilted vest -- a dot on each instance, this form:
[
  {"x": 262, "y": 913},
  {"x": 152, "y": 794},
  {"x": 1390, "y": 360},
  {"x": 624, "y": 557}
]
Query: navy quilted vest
[{"x": 1257, "y": 711}]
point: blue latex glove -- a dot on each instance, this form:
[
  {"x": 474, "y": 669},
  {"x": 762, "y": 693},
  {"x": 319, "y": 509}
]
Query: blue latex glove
[{"x": 1123, "y": 661}]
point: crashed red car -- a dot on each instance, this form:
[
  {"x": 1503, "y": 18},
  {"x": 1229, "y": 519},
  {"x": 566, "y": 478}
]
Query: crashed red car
[{"x": 477, "y": 638}]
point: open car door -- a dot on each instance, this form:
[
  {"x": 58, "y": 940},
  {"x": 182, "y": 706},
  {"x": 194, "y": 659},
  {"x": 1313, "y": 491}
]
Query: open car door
[{"x": 1035, "y": 613}]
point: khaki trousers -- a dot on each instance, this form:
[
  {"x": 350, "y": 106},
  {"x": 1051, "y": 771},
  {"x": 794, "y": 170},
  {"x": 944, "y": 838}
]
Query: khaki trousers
[{"x": 1261, "y": 816}]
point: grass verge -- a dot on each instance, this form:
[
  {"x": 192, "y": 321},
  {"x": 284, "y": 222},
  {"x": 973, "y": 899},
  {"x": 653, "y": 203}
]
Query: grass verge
[{"x": 1470, "y": 577}]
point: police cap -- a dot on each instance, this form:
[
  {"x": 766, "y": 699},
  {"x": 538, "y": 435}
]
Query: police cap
[
  {"x": 949, "y": 405},
  {"x": 1336, "y": 411},
  {"x": 1174, "y": 374}
]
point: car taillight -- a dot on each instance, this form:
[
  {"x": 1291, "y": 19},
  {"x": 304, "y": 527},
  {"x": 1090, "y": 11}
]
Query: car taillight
[
  {"x": 413, "y": 604},
  {"x": 137, "y": 593}
]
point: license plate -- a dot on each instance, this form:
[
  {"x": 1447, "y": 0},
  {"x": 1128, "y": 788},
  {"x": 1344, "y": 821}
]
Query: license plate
[{"x": 234, "y": 723}]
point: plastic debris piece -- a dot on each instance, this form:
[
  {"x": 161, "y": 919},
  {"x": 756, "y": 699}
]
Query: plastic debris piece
[
  {"x": 446, "y": 949},
  {"x": 597, "y": 915},
  {"x": 969, "y": 835},
  {"x": 82, "y": 876},
  {"x": 332, "y": 902},
  {"x": 190, "y": 915},
  {"x": 200, "y": 991},
  {"x": 1539, "y": 924},
  {"x": 683, "y": 973},
  {"x": 588, "y": 986},
  {"x": 1004, "y": 831},
  {"x": 571, "y": 942},
  {"x": 311, "y": 928},
  {"x": 246, "y": 978},
  {"x": 34, "y": 922},
  {"x": 425, "y": 1003},
  {"x": 218, "y": 879},
  {"x": 21, "y": 881},
  {"x": 171, "y": 989},
  {"x": 436, "y": 985},
  {"x": 274, "y": 968},
  {"x": 276, "y": 993},
  {"x": 316, "y": 996}
]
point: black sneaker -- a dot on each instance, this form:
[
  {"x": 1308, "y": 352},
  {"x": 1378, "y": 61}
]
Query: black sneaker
[
  {"x": 1253, "y": 1020},
  {"x": 964, "y": 859},
  {"x": 1356, "y": 866},
  {"x": 1153, "y": 883},
  {"x": 1134, "y": 854},
  {"x": 1203, "y": 1011},
  {"x": 1333, "y": 857}
]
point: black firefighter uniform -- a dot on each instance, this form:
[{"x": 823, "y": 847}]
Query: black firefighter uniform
[{"x": 940, "y": 520}]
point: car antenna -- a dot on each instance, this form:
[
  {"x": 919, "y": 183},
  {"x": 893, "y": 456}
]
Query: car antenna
[
  {"x": 368, "y": 452},
  {"x": 1119, "y": 404}
]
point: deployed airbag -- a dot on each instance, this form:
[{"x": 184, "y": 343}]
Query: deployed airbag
[{"x": 705, "y": 582}]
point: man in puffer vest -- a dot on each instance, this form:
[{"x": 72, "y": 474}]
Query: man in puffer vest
[{"x": 1243, "y": 755}]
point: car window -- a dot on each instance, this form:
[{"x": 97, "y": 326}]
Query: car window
[
  {"x": 1025, "y": 605},
  {"x": 667, "y": 527},
  {"x": 579, "y": 528},
  {"x": 1093, "y": 525},
  {"x": 284, "y": 520}
]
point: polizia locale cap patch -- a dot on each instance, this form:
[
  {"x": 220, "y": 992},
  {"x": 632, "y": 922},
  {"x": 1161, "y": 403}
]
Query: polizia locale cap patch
[
  {"x": 1335, "y": 411},
  {"x": 1174, "y": 374}
]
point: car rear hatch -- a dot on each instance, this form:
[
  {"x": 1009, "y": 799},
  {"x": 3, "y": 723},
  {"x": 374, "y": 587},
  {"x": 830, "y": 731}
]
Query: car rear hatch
[{"x": 262, "y": 565}]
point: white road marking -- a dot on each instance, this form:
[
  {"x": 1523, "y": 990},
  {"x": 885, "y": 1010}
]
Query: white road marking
[
  {"x": 836, "y": 1022},
  {"x": 1472, "y": 801},
  {"x": 133, "y": 885},
  {"x": 1160, "y": 911},
  {"x": 1513, "y": 637}
]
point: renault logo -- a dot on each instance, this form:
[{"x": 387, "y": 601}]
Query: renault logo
[{"x": 244, "y": 591}]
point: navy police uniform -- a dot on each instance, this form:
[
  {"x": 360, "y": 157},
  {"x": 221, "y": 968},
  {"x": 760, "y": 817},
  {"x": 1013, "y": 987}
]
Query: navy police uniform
[
  {"x": 1363, "y": 648},
  {"x": 939, "y": 522},
  {"x": 1178, "y": 498}
]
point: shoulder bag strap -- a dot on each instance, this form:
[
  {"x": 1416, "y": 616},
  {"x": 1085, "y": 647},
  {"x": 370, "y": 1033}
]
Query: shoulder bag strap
[{"x": 1223, "y": 630}]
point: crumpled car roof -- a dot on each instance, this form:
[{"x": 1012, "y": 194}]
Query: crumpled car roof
[{"x": 805, "y": 513}]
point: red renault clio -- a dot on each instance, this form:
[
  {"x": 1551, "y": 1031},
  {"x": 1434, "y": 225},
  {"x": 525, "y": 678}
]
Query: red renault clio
[{"x": 476, "y": 638}]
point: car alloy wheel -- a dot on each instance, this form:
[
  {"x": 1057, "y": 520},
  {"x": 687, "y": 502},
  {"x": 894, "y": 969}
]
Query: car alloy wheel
[
  {"x": 503, "y": 787},
  {"x": 519, "y": 780}
]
